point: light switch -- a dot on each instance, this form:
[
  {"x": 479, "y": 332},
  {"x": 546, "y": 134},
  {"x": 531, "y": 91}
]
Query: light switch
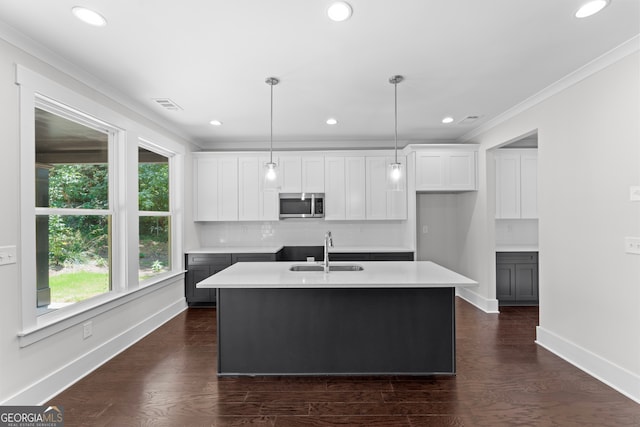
[
  {"x": 632, "y": 245},
  {"x": 8, "y": 255},
  {"x": 634, "y": 193}
]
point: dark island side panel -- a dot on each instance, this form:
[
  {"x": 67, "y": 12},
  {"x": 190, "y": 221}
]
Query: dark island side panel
[{"x": 336, "y": 331}]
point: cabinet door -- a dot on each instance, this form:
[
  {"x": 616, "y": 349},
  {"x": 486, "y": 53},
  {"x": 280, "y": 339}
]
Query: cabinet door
[
  {"x": 335, "y": 190},
  {"x": 205, "y": 188},
  {"x": 376, "y": 187},
  {"x": 249, "y": 179},
  {"x": 529, "y": 184},
  {"x": 460, "y": 170},
  {"x": 313, "y": 174},
  {"x": 430, "y": 171},
  {"x": 195, "y": 274},
  {"x": 355, "y": 188},
  {"x": 290, "y": 174},
  {"x": 505, "y": 282},
  {"x": 526, "y": 289},
  {"x": 507, "y": 185},
  {"x": 228, "y": 189}
]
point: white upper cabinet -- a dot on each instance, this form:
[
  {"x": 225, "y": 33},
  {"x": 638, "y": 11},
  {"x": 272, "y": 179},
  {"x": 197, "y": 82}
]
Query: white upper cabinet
[
  {"x": 335, "y": 189},
  {"x": 215, "y": 187},
  {"x": 344, "y": 188},
  {"x": 255, "y": 203},
  {"x": 301, "y": 174},
  {"x": 516, "y": 183},
  {"x": 443, "y": 169},
  {"x": 382, "y": 203},
  {"x": 312, "y": 174}
]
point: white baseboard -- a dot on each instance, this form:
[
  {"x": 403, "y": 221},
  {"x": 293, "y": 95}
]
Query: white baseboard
[
  {"x": 484, "y": 304},
  {"x": 53, "y": 384},
  {"x": 614, "y": 376}
]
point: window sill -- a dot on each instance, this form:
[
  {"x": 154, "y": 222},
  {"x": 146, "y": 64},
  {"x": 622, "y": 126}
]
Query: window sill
[{"x": 55, "y": 322}]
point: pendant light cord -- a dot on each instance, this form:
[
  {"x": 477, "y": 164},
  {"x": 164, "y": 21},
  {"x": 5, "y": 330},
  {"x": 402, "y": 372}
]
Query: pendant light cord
[
  {"x": 395, "y": 90},
  {"x": 271, "y": 134}
]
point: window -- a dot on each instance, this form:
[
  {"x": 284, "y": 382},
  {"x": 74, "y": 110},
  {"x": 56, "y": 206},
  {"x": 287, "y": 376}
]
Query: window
[
  {"x": 73, "y": 209},
  {"x": 154, "y": 224}
]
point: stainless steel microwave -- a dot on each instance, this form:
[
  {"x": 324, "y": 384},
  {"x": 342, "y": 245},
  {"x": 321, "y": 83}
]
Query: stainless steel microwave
[{"x": 301, "y": 205}]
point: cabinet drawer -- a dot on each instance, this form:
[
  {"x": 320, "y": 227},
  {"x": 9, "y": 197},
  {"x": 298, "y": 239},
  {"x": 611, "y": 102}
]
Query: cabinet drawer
[
  {"x": 516, "y": 257},
  {"x": 252, "y": 258},
  {"x": 348, "y": 256},
  {"x": 392, "y": 256},
  {"x": 209, "y": 259}
]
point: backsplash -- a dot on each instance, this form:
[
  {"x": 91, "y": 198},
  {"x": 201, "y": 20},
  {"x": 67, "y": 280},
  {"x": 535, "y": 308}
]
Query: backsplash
[
  {"x": 517, "y": 232},
  {"x": 304, "y": 232}
]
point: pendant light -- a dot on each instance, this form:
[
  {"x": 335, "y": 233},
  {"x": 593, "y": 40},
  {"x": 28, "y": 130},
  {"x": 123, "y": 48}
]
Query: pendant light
[
  {"x": 270, "y": 169},
  {"x": 395, "y": 179}
]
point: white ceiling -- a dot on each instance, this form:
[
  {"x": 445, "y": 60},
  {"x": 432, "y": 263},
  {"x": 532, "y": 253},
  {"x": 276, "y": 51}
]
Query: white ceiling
[{"x": 211, "y": 57}]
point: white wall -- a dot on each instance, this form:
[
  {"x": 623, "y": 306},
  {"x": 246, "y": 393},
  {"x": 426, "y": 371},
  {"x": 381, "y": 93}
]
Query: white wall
[
  {"x": 31, "y": 374},
  {"x": 589, "y": 155},
  {"x": 439, "y": 242}
]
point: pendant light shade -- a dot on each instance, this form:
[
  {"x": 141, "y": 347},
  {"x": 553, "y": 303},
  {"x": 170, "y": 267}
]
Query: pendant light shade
[
  {"x": 271, "y": 168},
  {"x": 395, "y": 173}
]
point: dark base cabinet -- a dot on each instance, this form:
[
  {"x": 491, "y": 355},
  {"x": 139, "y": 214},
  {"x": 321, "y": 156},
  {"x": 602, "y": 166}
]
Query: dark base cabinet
[
  {"x": 517, "y": 278},
  {"x": 201, "y": 266},
  {"x": 330, "y": 331}
]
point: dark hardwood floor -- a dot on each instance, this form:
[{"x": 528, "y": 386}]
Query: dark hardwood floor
[{"x": 504, "y": 379}]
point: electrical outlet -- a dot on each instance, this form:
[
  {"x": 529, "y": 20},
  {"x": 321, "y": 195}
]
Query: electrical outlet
[
  {"x": 8, "y": 255},
  {"x": 634, "y": 193},
  {"x": 87, "y": 329},
  {"x": 632, "y": 245},
  {"x": 425, "y": 229}
]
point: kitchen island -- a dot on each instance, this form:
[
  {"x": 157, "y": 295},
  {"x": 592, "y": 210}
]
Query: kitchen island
[{"x": 394, "y": 318}]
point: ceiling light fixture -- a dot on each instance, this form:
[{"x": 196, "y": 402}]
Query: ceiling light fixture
[
  {"x": 215, "y": 123},
  {"x": 89, "y": 16},
  {"x": 339, "y": 11},
  {"x": 270, "y": 173},
  {"x": 332, "y": 121},
  {"x": 395, "y": 180},
  {"x": 591, "y": 8},
  {"x": 447, "y": 120}
]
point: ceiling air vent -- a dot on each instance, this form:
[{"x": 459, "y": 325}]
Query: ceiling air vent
[
  {"x": 167, "y": 104},
  {"x": 468, "y": 120}
]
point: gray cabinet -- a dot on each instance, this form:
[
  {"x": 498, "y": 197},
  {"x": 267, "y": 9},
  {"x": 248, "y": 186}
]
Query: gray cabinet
[
  {"x": 517, "y": 278},
  {"x": 201, "y": 266}
]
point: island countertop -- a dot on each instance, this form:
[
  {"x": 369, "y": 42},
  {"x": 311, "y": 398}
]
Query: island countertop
[{"x": 375, "y": 274}]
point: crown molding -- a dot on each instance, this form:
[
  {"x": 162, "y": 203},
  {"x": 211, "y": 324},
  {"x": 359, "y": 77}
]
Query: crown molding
[{"x": 616, "y": 54}]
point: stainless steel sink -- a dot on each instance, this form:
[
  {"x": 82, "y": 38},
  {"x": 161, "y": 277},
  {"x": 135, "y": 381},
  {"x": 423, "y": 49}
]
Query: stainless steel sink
[{"x": 315, "y": 267}]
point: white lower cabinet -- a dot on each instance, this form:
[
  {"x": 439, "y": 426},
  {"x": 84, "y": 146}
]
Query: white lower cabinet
[
  {"x": 254, "y": 202},
  {"x": 215, "y": 187}
]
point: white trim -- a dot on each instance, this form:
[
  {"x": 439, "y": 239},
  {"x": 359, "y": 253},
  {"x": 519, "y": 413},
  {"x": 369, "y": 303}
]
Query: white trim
[
  {"x": 50, "y": 386},
  {"x": 55, "y": 322},
  {"x": 485, "y": 304},
  {"x": 614, "y": 376},
  {"x": 616, "y": 54}
]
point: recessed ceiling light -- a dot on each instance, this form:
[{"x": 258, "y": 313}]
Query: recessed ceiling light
[
  {"x": 591, "y": 8},
  {"x": 332, "y": 121},
  {"x": 216, "y": 122},
  {"x": 447, "y": 120},
  {"x": 339, "y": 11},
  {"x": 89, "y": 16}
]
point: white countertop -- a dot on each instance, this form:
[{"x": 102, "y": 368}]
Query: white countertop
[
  {"x": 376, "y": 274},
  {"x": 516, "y": 248},
  {"x": 236, "y": 250}
]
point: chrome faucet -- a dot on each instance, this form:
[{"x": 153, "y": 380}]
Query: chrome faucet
[{"x": 328, "y": 242}]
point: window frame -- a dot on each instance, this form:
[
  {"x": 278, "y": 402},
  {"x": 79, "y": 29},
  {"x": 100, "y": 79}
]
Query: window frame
[
  {"x": 123, "y": 189},
  {"x": 150, "y": 146}
]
